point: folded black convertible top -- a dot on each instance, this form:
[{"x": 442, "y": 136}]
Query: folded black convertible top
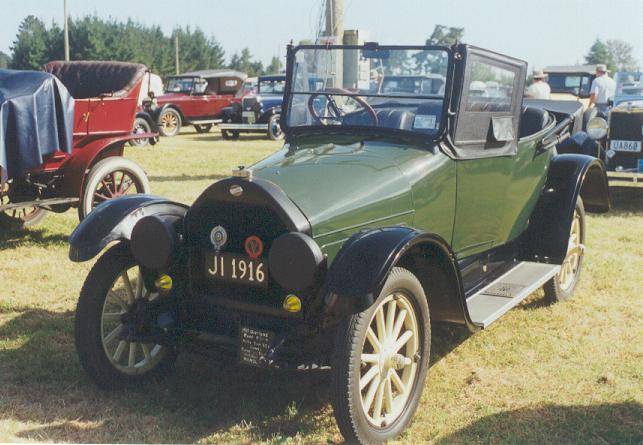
[{"x": 36, "y": 119}]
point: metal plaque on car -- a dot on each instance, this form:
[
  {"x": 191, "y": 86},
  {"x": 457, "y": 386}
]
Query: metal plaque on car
[
  {"x": 218, "y": 237},
  {"x": 254, "y": 345}
]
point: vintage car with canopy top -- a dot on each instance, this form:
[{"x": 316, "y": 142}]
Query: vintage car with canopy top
[
  {"x": 196, "y": 98},
  {"x": 382, "y": 214},
  {"x": 62, "y": 138}
]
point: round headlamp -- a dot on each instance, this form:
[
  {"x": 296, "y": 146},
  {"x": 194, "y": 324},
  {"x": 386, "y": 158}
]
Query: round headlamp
[
  {"x": 154, "y": 241},
  {"x": 294, "y": 260},
  {"x": 597, "y": 128}
]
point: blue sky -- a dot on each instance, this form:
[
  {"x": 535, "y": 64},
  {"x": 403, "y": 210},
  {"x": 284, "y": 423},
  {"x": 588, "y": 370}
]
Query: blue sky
[{"x": 543, "y": 32}]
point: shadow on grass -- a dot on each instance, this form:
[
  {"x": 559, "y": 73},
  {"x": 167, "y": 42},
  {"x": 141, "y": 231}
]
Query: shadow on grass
[
  {"x": 215, "y": 135},
  {"x": 205, "y": 398},
  {"x": 182, "y": 178},
  {"x": 10, "y": 239},
  {"x": 618, "y": 423},
  {"x": 42, "y": 382},
  {"x": 625, "y": 200}
]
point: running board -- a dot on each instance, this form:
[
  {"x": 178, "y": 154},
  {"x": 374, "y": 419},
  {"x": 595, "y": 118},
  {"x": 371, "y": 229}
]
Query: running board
[{"x": 492, "y": 301}]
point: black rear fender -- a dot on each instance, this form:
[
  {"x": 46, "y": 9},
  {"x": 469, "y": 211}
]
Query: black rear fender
[
  {"x": 114, "y": 220},
  {"x": 358, "y": 273},
  {"x": 570, "y": 176}
]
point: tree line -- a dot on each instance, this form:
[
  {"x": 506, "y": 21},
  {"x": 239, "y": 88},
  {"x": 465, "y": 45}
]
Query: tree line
[{"x": 93, "y": 38}]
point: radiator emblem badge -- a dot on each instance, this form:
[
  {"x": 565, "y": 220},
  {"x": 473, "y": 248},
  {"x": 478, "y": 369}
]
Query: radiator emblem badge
[
  {"x": 218, "y": 237},
  {"x": 253, "y": 246}
]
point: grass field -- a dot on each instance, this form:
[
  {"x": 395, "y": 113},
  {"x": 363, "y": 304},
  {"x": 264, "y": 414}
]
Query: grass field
[{"x": 567, "y": 373}]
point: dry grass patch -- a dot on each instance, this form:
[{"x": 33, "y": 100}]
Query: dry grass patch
[{"x": 567, "y": 373}]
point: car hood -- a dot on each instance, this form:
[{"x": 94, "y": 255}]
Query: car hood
[{"x": 342, "y": 186}]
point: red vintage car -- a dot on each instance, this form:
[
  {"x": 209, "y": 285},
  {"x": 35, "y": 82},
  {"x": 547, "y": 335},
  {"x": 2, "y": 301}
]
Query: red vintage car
[
  {"x": 196, "y": 98},
  {"x": 62, "y": 152}
]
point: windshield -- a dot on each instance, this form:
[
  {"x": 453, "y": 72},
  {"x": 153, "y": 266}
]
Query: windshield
[
  {"x": 179, "y": 85},
  {"x": 629, "y": 84},
  {"x": 399, "y": 88},
  {"x": 576, "y": 84},
  {"x": 272, "y": 86}
]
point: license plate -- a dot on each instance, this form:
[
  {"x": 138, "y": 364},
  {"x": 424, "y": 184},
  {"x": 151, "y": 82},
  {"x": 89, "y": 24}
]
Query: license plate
[
  {"x": 248, "y": 117},
  {"x": 254, "y": 345},
  {"x": 236, "y": 269},
  {"x": 632, "y": 146}
]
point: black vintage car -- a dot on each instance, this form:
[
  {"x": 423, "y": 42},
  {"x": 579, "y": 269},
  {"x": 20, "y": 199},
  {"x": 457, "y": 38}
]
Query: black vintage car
[
  {"x": 382, "y": 214},
  {"x": 258, "y": 112}
]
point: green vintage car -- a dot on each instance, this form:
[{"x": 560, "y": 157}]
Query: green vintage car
[{"x": 384, "y": 212}]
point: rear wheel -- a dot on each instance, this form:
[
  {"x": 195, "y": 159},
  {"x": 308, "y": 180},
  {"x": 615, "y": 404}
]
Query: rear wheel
[
  {"x": 561, "y": 287},
  {"x": 229, "y": 135},
  {"x": 141, "y": 125},
  {"x": 205, "y": 128},
  {"x": 107, "y": 318},
  {"x": 169, "y": 122},
  {"x": 381, "y": 362},
  {"x": 111, "y": 178},
  {"x": 16, "y": 219}
]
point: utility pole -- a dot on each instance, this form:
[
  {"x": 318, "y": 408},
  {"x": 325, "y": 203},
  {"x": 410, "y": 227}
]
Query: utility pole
[
  {"x": 66, "y": 32},
  {"x": 335, "y": 32},
  {"x": 176, "y": 51}
]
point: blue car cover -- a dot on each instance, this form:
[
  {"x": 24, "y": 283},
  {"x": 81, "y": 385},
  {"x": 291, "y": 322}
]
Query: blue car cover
[{"x": 36, "y": 119}]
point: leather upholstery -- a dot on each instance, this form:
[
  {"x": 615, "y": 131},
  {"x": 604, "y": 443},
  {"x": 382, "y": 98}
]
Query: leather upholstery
[
  {"x": 86, "y": 79},
  {"x": 532, "y": 121}
]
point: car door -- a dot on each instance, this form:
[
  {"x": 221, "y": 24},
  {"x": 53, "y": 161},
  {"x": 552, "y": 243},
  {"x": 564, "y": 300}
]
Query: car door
[{"x": 484, "y": 136}]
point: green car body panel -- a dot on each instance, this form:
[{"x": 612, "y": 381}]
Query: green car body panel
[{"x": 343, "y": 186}]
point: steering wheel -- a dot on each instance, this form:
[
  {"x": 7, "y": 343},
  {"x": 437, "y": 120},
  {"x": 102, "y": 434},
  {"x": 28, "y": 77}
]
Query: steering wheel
[{"x": 334, "y": 111}]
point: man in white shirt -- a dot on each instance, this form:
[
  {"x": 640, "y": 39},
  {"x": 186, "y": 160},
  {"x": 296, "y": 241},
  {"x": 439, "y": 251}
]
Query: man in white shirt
[
  {"x": 539, "y": 89},
  {"x": 602, "y": 89}
]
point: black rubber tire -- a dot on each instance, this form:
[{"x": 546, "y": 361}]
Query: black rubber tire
[
  {"x": 144, "y": 126},
  {"x": 163, "y": 131},
  {"x": 274, "y": 130},
  {"x": 346, "y": 398},
  {"x": 87, "y": 324},
  {"x": 230, "y": 135},
  {"x": 553, "y": 291},
  {"x": 205, "y": 128}
]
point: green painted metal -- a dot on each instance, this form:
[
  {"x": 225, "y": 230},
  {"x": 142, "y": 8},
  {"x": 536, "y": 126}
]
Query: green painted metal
[{"x": 342, "y": 188}]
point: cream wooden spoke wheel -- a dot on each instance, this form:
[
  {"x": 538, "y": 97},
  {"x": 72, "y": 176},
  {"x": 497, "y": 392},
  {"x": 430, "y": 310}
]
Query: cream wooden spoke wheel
[
  {"x": 128, "y": 356},
  {"x": 381, "y": 361},
  {"x": 575, "y": 248},
  {"x": 562, "y": 286},
  {"x": 388, "y": 361},
  {"x": 169, "y": 122}
]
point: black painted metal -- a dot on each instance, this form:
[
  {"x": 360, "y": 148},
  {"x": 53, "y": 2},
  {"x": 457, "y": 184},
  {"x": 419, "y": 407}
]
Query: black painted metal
[{"x": 114, "y": 220}]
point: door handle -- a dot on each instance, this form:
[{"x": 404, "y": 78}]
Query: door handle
[{"x": 85, "y": 116}]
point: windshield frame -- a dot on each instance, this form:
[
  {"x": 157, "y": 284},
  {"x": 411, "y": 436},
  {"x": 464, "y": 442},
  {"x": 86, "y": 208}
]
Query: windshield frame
[
  {"x": 179, "y": 77},
  {"x": 367, "y": 130}
]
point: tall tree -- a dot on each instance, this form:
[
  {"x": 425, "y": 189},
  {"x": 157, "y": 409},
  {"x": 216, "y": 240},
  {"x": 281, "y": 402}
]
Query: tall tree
[
  {"x": 621, "y": 53},
  {"x": 600, "y": 53},
  {"x": 5, "y": 60},
  {"x": 29, "y": 48},
  {"x": 243, "y": 62},
  {"x": 442, "y": 35},
  {"x": 275, "y": 66}
]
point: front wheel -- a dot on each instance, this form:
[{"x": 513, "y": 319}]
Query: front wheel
[
  {"x": 108, "y": 320},
  {"x": 381, "y": 361},
  {"x": 205, "y": 128},
  {"x": 110, "y": 178},
  {"x": 169, "y": 122},
  {"x": 561, "y": 287},
  {"x": 141, "y": 126},
  {"x": 229, "y": 135},
  {"x": 274, "y": 129}
]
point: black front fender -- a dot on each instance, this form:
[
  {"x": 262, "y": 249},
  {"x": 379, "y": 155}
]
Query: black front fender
[
  {"x": 570, "y": 176},
  {"x": 114, "y": 220},
  {"x": 358, "y": 273}
]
